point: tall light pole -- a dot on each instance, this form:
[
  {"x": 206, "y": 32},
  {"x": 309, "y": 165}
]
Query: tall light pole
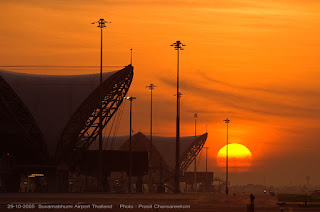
[
  {"x": 131, "y": 57},
  {"x": 101, "y": 24},
  {"x": 227, "y": 155},
  {"x": 150, "y": 87},
  {"x": 130, "y": 142},
  {"x": 206, "y": 183},
  {"x": 177, "y": 46},
  {"x": 195, "y": 158}
]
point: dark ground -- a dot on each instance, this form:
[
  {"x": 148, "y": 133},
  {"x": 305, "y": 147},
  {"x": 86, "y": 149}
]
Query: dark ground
[{"x": 196, "y": 201}]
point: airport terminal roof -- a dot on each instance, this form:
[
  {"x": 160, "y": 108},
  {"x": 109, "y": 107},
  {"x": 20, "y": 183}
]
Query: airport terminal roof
[
  {"x": 52, "y": 99},
  {"x": 165, "y": 146}
]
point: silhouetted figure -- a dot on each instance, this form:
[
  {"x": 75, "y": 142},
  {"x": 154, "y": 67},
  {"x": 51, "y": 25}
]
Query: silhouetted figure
[
  {"x": 250, "y": 207},
  {"x": 252, "y": 199}
]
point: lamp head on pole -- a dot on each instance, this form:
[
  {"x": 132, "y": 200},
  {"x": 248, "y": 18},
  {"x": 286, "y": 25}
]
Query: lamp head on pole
[
  {"x": 129, "y": 98},
  {"x": 151, "y": 87},
  {"x": 227, "y": 121},
  {"x": 178, "y": 45},
  {"x": 180, "y": 94},
  {"x": 101, "y": 23},
  {"x": 195, "y": 116}
]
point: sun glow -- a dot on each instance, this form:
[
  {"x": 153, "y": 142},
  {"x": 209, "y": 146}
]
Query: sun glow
[{"x": 239, "y": 157}]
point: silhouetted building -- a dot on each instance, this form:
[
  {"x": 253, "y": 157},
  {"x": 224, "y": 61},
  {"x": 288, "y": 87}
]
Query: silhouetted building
[
  {"x": 45, "y": 118},
  {"x": 49, "y": 123},
  {"x": 163, "y": 155}
]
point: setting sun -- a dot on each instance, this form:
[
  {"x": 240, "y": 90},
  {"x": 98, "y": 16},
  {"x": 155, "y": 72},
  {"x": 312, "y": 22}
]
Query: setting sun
[{"x": 240, "y": 157}]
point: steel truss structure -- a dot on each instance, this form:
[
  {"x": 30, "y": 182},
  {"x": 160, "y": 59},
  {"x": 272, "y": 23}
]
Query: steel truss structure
[
  {"x": 187, "y": 157},
  {"x": 192, "y": 151},
  {"x": 83, "y": 127},
  {"x": 18, "y": 114}
]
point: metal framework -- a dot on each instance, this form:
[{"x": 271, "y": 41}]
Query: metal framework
[
  {"x": 27, "y": 126},
  {"x": 192, "y": 151},
  {"x": 188, "y": 156},
  {"x": 83, "y": 127}
]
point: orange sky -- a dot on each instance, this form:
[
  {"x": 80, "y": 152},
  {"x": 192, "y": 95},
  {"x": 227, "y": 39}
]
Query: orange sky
[{"x": 256, "y": 62}]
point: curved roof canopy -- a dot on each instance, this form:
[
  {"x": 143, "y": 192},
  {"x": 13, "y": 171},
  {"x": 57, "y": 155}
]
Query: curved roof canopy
[
  {"x": 163, "y": 147},
  {"x": 53, "y": 100}
]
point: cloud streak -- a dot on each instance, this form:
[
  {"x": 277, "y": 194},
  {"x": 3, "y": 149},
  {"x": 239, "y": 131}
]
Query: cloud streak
[{"x": 250, "y": 101}]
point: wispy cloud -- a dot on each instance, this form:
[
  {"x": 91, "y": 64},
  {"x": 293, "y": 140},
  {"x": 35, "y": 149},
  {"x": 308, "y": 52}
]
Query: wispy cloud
[{"x": 251, "y": 99}]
